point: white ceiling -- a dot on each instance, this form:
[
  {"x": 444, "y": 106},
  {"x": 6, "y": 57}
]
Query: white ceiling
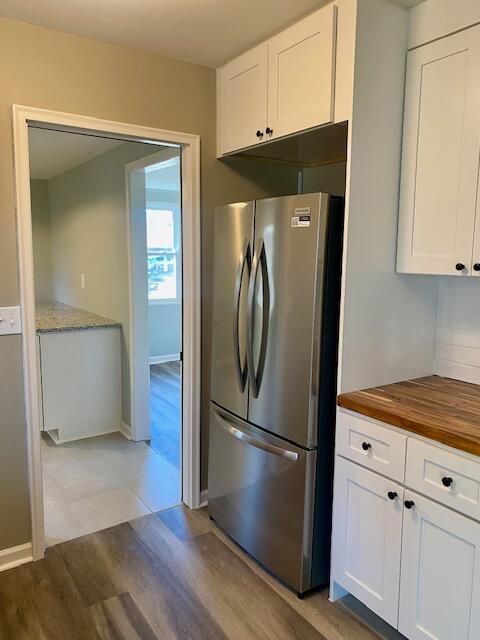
[
  {"x": 164, "y": 176},
  {"x": 208, "y": 32},
  {"x": 53, "y": 152}
]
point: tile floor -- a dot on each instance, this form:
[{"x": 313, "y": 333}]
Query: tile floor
[{"x": 100, "y": 482}]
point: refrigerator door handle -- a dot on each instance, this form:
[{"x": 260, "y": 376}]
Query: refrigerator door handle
[
  {"x": 254, "y": 442},
  {"x": 240, "y": 370},
  {"x": 259, "y": 260}
]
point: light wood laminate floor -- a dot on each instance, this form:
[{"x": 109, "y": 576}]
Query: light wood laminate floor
[
  {"x": 169, "y": 575},
  {"x": 165, "y": 410}
]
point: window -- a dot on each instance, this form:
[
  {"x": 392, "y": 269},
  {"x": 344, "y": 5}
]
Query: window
[{"x": 163, "y": 263}]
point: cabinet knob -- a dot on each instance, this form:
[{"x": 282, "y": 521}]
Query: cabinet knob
[
  {"x": 447, "y": 482},
  {"x": 459, "y": 266},
  {"x": 409, "y": 504},
  {"x": 259, "y": 134},
  {"x": 366, "y": 446},
  {"x": 268, "y": 131},
  {"x": 392, "y": 495},
  {"x": 476, "y": 266}
]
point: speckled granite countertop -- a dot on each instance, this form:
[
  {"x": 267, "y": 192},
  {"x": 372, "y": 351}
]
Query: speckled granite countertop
[{"x": 56, "y": 316}]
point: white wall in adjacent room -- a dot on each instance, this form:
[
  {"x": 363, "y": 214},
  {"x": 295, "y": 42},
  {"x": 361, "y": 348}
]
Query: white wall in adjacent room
[
  {"x": 165, "y": 330},
  {"x": 88, "y": 221},
  {"x": 42, "y": 248},
  {"x": 163, "y": 188}
]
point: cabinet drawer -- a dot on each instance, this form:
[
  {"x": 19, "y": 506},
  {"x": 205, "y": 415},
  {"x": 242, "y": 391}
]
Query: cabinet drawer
[
  {"x": 447, "y": 477},
  {"x": 371, "y": 445}
]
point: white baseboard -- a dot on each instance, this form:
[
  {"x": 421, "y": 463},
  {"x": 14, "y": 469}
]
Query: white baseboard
[
  {"x": 126, "y": 430},
  {"x": 56, "y": 440},
  {"x": 169, "y": 357},
  {"x": 203, "y": 498},
  {"x": 15, "y": 556}
]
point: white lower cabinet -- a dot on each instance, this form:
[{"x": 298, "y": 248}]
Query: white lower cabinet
[
  {"x": 412, "y": 561},
  {"x": 440, "y": 584},
  {"x": 80, "y": 383},
  {"x": 368, "y": 537}
]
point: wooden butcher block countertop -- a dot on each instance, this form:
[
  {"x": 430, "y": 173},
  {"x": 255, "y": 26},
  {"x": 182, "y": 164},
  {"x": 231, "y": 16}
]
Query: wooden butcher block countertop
[{"x": 439, "y": 408}]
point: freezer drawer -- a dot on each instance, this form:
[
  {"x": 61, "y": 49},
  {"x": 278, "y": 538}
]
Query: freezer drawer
[{"x": 260, "y": 491}]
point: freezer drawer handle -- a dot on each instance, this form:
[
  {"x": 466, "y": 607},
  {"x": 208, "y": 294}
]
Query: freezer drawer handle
[
  {"x": 245, "y": 260},
  {"x": 260, "y": 444},
  {"x": 259, "y": 261}
]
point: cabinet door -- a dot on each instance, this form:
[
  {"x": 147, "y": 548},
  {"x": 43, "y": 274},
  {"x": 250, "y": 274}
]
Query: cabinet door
[
  {"x": 476, "y": 237},
  {"x": 440, "y": 586},
  {"x": 440, "y": 156},
  {"x": 242, "y": 87},
  {"x": 367, "y": 534},
  {"x": 301, "y": 74}
]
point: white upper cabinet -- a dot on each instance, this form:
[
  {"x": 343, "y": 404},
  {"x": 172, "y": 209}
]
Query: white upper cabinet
[
  {"x": 301, "y": 74},
  {"x": 243, "y": 99},
  {"x": 440, "y": 584},
  {"x": 441, "y": 157},
  {"x": 283, "y": 86}
]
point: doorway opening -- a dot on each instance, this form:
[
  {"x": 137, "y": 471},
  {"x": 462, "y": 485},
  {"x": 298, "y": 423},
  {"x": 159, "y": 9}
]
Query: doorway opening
[
  {"x": 164, "y": 258},
  {"x": 79, "y": 271},
  {"x": 156, "y": 267}
]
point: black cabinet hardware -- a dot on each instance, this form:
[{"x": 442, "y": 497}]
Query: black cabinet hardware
[
  {"x": 447, "y": 482},
  {"x": 366, "y": 446},
  {"x": 409, "y": 504},
  {"x": 459, "y": 266},
  {"x": 268, "y": 131},
  {"x": 392, "y": 495},
  {"x": 476, "y": 266},
  {"x": 259, "y": 134}
]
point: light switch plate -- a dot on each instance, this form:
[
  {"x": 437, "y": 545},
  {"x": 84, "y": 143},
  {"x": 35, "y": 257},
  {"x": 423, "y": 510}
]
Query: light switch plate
[{"x": 10, "y": 321}]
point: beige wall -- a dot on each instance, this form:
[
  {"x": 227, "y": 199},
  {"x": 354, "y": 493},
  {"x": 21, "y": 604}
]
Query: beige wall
[
  {"x": 42, "y": 250},
  {"x": 59, "y": 71}
]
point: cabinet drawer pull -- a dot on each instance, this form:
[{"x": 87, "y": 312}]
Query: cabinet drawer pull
[
  {"x": 366, "y": 446},
  {"x": 476, "y": 266},
  {"x": 259, "y": 134},
  {"x": 459, "y": 266},
  {"x": 409, "y": 504},
  {"x": 269, "y": 131},
  {"x": 392, "y": 495},
  {"x": 447, "y": 481}
]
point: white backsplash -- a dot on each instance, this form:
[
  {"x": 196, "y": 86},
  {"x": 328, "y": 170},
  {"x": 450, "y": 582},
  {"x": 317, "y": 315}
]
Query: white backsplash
[{"x": 457, "y": 352}]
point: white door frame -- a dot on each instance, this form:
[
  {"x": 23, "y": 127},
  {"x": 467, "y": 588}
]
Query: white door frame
[
  {"x": 137, "y": 280},
  {"x": 190, "y": 143}
]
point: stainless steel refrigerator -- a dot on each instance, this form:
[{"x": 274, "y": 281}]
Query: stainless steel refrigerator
[{"x": 277, "y": 265}]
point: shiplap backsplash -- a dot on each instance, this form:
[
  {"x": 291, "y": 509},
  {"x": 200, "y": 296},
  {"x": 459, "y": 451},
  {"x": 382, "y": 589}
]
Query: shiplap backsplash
[{"x": 457, "y": 352}]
